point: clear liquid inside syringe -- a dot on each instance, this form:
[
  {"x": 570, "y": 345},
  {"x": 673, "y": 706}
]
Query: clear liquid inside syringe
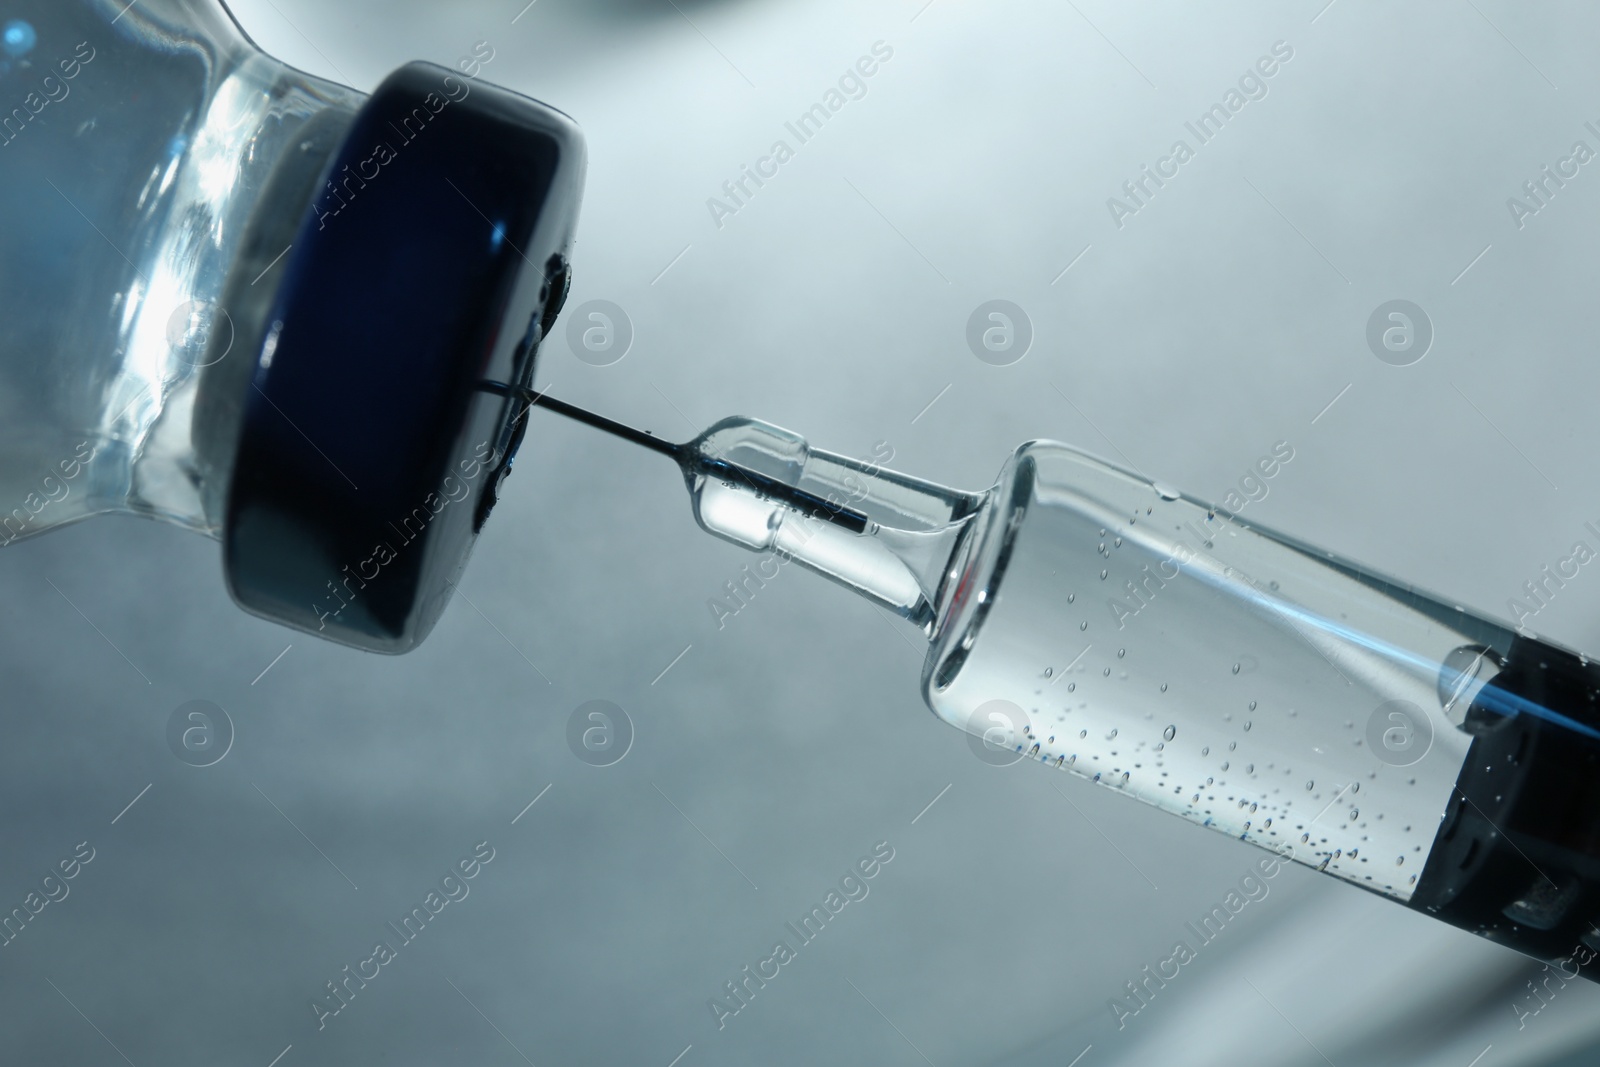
[{"x": 1082, "y": 617}]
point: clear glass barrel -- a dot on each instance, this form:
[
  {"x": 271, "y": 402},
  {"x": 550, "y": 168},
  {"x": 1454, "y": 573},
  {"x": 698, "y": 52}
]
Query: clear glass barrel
[
  {"x": 1213, "y": 669},
  {"x": 1085, "y": 618},
  {"x": 136, "y": 141}
]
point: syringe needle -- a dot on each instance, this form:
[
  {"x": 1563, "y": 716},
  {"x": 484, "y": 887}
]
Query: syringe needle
[
  {"x": 600, "y": 422},
  {"x": 692, "y": 459}
]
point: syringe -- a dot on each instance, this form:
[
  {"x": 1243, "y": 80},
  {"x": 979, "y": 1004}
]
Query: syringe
[{"x": 1081, "y": 616}]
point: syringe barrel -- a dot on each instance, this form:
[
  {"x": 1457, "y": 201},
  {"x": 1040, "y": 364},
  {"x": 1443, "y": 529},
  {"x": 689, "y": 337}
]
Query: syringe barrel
[
  {"x": 1267, "y": 690},
  {"x": 1084, "y": 617}
]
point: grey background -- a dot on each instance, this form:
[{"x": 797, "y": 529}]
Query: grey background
[{"x": 1222, "y": 318}]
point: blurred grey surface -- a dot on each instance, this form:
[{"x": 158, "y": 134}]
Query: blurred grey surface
[{"x": 1227, "y": 313}]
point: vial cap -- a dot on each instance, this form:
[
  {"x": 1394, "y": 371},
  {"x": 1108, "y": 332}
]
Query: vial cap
[{"x": 381, "y": 415}]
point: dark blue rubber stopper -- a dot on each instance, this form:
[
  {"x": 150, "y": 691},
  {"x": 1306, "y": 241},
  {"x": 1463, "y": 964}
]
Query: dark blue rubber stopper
[{"x": 383, "y": 413}]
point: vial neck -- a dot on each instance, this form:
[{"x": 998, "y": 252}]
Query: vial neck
[{"x": 123, "y": 383}]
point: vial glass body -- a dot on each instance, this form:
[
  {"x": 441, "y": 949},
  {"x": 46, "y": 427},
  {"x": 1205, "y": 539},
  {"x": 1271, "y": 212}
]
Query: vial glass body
[{"x": 136, "y": 145}]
